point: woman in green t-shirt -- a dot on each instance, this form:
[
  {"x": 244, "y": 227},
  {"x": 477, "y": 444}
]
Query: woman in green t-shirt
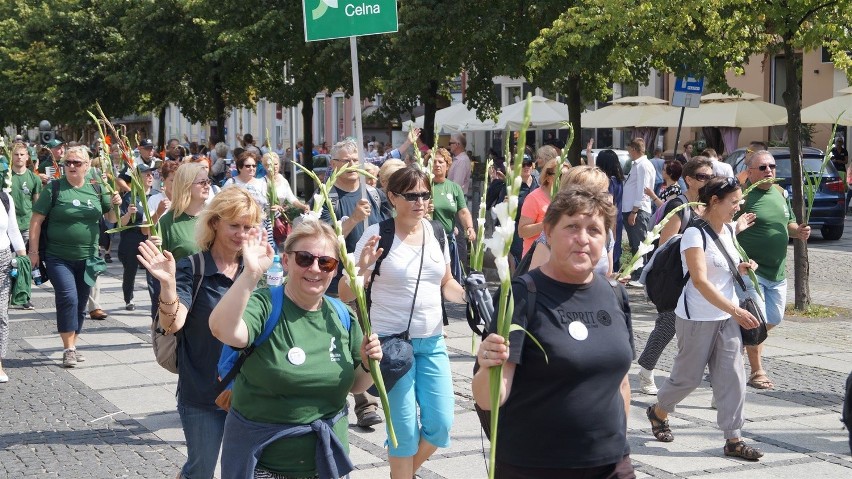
[
  {"x": 71, "y": 253},
  {"x": 449, "y": 201},
  {"x": 298, "y": 379},
  {"x": 190, "y": 190}
]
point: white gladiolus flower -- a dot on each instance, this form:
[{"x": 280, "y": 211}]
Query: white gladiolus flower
[
  {"x": 496, "y": 243},
  {"x": 650, "y": 237},
  {"x": 350, "y": 259},
  {"x": 341, "y": 240},
  {"x": 638, "y": 264},
  {"x": 480, "y": 221},
  {"x": 359, "y": 281},
  {"x": 502, "y": 212},
  {"x": 310, "y": 216},
  {"x": 644, "y": 248},
  {"x": 513, "y": 203},
  {"x": 516, "y": 185},
  {"x": 502, "y": 263}
]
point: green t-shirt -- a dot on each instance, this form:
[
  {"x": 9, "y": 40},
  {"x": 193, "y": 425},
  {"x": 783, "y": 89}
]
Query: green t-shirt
[
  {"x": 271, "y": 389},
  {"x": 72, "y": 224},
  {"x": 448, "y": 198},
  {"x": 178, "y": 234},
  {"x": 24, "y": 188},
  {"x": 766, "y": 240}
]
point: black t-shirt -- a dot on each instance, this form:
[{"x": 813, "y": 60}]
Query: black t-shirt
[
  {"x": 840, "y": 157},
  {"x": 567, "y": 412}
]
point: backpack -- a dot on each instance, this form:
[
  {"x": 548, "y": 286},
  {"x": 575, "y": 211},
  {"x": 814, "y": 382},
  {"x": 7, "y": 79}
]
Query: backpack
[
  {"x": 372, "y": 192},
  {"x": 387, "y": 232},
  {"x": 663, "y": 275},
  {"x": 685, "y": 218},
  {"x": 165, "y": 345}
]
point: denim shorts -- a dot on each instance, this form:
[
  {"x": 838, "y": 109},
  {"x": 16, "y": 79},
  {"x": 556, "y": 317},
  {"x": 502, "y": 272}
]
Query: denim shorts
[{"x": 774, "y": 299}]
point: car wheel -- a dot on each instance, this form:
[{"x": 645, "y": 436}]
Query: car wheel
[{"x": 832, "y": 233}]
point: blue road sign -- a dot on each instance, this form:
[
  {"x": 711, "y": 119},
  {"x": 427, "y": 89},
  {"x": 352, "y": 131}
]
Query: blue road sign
[{"x": 689, "y": 85}]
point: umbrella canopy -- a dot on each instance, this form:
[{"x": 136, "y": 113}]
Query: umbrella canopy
[
  {"x": 829, "y": 111},
  {"x": 721, "y": 110},
  {"x": 451, "y": 119},
  {"x": 626, "y": 112},
  {"x": 546, "y": 114}
]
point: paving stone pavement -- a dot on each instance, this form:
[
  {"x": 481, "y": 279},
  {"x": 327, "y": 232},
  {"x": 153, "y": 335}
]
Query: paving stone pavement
[{"x": 114, "y": 415}]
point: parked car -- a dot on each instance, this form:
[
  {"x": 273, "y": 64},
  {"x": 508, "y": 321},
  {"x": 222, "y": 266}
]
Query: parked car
[{"x": 829, "y": 209}]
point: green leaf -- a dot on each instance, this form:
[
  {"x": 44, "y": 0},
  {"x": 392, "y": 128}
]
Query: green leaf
[{"x": 517, "y": 327}]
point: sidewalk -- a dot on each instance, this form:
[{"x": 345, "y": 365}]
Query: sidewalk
[{"x": 114, "y": 415}]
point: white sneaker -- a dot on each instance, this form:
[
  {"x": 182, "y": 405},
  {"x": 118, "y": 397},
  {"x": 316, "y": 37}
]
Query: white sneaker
[
  {"x": 646, "y": 384},
  {"x": 635, "y": 284}
]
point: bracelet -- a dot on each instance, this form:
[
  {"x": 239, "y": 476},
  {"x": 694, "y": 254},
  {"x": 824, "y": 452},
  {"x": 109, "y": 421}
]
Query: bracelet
[
  {"x": 168, "y": 304},
  {"x": 363, "y": 367}
]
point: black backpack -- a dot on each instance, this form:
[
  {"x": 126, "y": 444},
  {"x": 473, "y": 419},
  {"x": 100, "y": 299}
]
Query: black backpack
[{"x": 663, "y": 276}]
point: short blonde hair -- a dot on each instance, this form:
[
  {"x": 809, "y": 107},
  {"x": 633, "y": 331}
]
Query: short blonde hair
[
  {"x": 268, "y": 158},
  {"x": 312, "y": 230},
  {"x": 590, "y": 177},
  {"x": 231, "y": 204},
  {"x": 182, "y": 186},
  {"x": 79, "y": 151},
  {"x": 388, "y": 168}
]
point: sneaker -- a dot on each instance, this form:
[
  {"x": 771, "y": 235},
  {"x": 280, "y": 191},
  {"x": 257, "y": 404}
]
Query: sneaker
[
  {"x": 98, "y": 314},
  {"x": 108, "y": 258},
  {"x": 80, "y": 357},
  {"x": 369, "y": 418},
  {"x": 4, "y": 378},
  {"x": 28, "y": 305},
  {"x": 646, "y": 384},
  {"x": 130, "y": 306},
  {"x": 635, "y": 284},
  {"x": 69, "y": 358}
]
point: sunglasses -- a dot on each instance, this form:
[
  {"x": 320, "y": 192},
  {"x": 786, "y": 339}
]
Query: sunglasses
[
  {"x": 206, "y": 182},
  {"x": 74, "y": 163},
  {"x": 249, "y": 166},
  {"x": 527, "y": 163},
  {"x": 304, "y": 259},
  {"x": 730, "y": 182},
  {"x": 771, "y": 166},
  {"x": 703, "y": 176},
  {"x": 413, "y": 197}
]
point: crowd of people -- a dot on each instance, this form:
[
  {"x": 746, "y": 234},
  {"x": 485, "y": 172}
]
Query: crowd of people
[{"x": 210, "y": 240}]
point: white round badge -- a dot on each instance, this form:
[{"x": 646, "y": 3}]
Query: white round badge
[
  {"x": 578, "y": 330},
  {"x": 296, "y": 356},
  {"x": 75, "y": 202}
]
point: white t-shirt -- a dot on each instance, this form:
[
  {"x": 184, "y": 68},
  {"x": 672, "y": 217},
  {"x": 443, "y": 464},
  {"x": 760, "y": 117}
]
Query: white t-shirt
[
  {"x": 283, "y": 190},
  {"x": 9, "y": 226},
  {"x": 718, "y": 273},
  {"x": 393, "y": 288},
  {"x": 602, "y": 265},
  {"x": 722, "y": 169}
]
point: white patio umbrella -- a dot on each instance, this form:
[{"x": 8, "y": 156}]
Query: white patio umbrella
[
  {"x": 546, "y": 114},
  {"x": 451, "y": 119},
  {"x": 828, "y": 111},
  {"x": 721, "y": 110},
  {"x": 626, "y": 112}
]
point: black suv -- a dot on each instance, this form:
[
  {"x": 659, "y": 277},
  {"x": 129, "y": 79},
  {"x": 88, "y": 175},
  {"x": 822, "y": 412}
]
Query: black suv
[{"x": 830, "y": 202}]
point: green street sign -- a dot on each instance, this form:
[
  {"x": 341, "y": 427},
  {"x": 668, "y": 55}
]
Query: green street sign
[{"x": 327, "y": 19}]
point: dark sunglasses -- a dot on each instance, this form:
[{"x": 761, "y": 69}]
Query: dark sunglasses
[
  {"x": 730, "y": 183},
  {"x": 304, "y": 259},
  {"x": 527, "y": 163},
  {"x": 771, "y": 166},
  {"x": 703, "y": 176},
  {"x": 74, "y": 163},
  {"x": 412, "y": 197},
  {"x": 249, "y": 166}
]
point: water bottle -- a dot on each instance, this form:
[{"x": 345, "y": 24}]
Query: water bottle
[
  {"x": 275, "y": 273},
  {"x": 37, "y": 276}
]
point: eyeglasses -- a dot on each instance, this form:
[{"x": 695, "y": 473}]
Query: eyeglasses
[
  {"x": 703, "y": 176},
  {"x": 351, "y": 161},
  {"x": 304, "y": 259},
  {"x": 527, "y": 164},
  {"x": 453, "y": 143},
  {"x": 249, "y": 166},
  {"x": 771, "y": 166},
  {"x": 730, "y": 182},
  {"x": 205, "y": 182},
  {"x": 74, "y": 163},
  {"x": 413, "y": 197}
]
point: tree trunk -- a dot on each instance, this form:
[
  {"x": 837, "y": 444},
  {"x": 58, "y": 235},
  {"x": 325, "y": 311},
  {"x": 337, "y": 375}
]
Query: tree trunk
[
  {"x": 430, "y": 106},
  {"x": 308, "y": 141},
  {"x": 793, "y": 102},
  {"x": 161, "y": 128},
  {"x": 575, "y": 107},
  {"x": 219, "y": 104}
]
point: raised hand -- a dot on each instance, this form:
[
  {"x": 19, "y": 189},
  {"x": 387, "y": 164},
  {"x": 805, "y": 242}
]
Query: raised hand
[
  {"x": 161, "y": 265},
  {"x": 257, "y": 252},
  {"x": 370, "y": 254}
]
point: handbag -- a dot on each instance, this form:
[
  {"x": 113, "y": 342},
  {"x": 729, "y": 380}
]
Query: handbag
[
  {"x": 397, "y": 351},
  {"x": 754, "y": 336},
  {"x": 281, "y": 228}
]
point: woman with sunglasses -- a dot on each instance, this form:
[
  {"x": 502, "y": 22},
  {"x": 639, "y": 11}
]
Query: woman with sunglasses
[
  {"x": 247, "y": 164},
  {"x": 185, "y": 305},
  {"x": 190, "y": 191},
  {"x": 531, "y": 223},
  {"x": 709, "y": 319},
  {"x": 406, "y": 297},
  {"x": 449, "y": 201},
  {"x": 72, "y": 250},
  {"x": 302, "y": 374}
]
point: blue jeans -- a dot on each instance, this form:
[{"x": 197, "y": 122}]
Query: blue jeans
[
  {"x": 70, "y": 292},
  {"x": 203, "y": 429},
  {"x": 429, "y": 386},
  {"x": 774, "y": 297},
  {"x": 635, "y": 235}
]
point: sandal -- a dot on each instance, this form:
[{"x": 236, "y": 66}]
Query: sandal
[
  {"x": 659, "y": 427},
  {"x": 759, "y": 380},
  {"x": 741, "y": 450}
]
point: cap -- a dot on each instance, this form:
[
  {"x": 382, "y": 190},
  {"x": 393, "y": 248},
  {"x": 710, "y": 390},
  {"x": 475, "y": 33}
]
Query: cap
[
  {"x": 54, "y": 143},
  {"x": 146, "y": 143},
  {"x": 143, "y": 168}
]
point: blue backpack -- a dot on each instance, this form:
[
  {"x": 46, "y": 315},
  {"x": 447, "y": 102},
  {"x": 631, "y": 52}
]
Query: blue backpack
[{"x": 231, "y": 360}]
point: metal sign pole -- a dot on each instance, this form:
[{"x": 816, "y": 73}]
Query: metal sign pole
[
  {"x": 677, "y": 137},
  {"x": 356, "y": 105}
]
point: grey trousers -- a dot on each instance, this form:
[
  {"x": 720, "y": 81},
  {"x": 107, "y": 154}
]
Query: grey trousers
[{"x": 718, "y": 345}]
